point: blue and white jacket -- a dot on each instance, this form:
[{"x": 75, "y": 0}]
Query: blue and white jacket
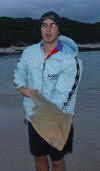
[{"x": 57, "y": 78}]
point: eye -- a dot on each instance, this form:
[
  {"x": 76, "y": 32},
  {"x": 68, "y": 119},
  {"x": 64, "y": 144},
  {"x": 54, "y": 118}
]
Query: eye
[
  {"x": 54, "y": 25},
  {"x": 44, "y": 25}
]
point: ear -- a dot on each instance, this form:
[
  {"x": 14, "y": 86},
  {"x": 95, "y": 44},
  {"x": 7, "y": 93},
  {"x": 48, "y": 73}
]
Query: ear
[{"x": 59, "y": 33}]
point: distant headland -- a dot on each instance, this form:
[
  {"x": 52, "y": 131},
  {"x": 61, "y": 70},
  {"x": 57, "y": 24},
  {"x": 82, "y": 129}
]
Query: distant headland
[{"x": 21, "y": 32}]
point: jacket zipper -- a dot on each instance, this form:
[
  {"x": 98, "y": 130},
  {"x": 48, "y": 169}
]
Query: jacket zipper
[
  {"x": 43, "y": 66},
  {"x": 42, "y": 74}
]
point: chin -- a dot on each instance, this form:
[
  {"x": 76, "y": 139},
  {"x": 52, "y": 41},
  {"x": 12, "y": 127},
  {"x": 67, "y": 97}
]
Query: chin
[{"x": 50, "y": 41}]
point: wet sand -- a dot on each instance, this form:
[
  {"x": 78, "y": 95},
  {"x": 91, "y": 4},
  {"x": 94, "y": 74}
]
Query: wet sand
[{"x": 14, "y": 149}]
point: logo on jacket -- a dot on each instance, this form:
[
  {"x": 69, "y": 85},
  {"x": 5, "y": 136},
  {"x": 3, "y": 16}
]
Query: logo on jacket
[{"x": 53, "y": 76}]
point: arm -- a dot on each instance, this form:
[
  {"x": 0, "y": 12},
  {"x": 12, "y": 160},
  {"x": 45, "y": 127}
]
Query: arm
[
  {"x": 20, "y": 73},
  {"x": 67, "y": 79},
  {"x": 21, "y": 76}
]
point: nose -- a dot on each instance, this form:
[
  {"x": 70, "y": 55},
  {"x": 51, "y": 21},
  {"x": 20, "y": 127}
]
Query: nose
[{"x": 48, "y": 28}]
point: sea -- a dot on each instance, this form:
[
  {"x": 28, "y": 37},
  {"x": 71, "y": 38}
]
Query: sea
[{"x": 90, "y": 75}]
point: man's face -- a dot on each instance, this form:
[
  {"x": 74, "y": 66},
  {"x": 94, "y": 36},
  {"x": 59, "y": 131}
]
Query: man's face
[{"x": 49, "y": 31}]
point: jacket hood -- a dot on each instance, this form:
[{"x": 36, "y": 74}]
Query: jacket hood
[{"x": 70, "y": 46}]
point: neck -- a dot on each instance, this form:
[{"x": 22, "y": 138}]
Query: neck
[{"x": 47, "y": 47}]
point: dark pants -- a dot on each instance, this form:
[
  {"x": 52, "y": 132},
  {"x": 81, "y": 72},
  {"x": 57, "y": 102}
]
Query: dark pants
[{"x": 39, "y": 147}]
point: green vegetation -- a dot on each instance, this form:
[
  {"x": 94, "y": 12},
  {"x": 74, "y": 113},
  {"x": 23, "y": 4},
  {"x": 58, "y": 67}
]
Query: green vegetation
[{"x": 26, "y": 31}]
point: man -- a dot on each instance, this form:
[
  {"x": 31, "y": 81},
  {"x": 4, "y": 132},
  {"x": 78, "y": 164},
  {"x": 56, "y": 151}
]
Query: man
[{"x": 52, "y": 68}]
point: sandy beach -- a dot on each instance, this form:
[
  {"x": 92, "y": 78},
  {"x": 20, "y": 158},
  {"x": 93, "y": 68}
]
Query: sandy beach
[
  {"x": 17, "y": 50},
  {"x": 14, "y": 149}
]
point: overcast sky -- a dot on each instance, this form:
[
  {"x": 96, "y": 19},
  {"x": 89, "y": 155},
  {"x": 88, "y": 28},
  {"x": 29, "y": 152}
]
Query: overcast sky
[{"x": 79, "y": 10}]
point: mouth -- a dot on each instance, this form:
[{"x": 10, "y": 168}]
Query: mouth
[{"x": 48, "y": 36}]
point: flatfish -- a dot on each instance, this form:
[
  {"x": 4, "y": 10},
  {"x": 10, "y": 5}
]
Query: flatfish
[{"x": 49, "y": 122}]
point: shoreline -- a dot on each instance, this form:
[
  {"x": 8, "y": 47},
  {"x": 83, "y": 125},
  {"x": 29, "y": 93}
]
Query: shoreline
[
  {"x": 18, "y": 50},
  {"x": 12, "y": 50},
  {"x": 88, "y": 46}
]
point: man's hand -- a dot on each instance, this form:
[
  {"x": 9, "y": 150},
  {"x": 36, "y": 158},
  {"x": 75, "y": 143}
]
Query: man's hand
[{"x": 26, "y": 91}]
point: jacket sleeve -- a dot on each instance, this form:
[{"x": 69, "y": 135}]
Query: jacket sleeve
[
  {"x": 20, "y": 73},
  {"x": 67, "y": 82}
]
